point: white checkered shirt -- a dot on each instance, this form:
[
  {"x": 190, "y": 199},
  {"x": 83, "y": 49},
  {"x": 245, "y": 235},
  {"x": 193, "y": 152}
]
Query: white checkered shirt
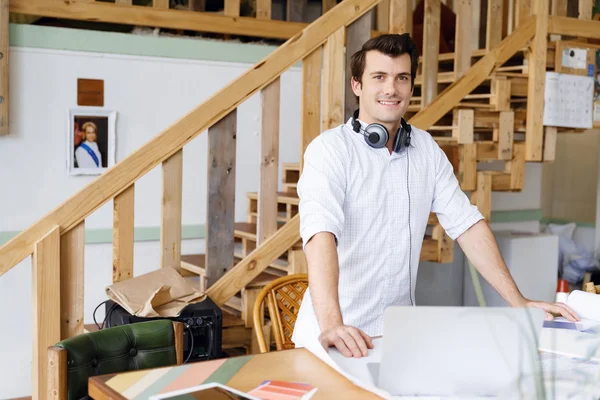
[{"x": 359, "y": 194}]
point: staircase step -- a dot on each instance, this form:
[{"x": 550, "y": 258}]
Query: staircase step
[
  {"x": 282, "y": 197},
  {"x": 196, "y": 263}
]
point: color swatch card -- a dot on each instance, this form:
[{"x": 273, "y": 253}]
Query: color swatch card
[{"x": 279, "y": 390}]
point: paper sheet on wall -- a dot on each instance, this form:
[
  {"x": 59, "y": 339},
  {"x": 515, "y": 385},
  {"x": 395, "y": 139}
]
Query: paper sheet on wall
[
  {"x": 574, "y": 58},
  {"x": 568, "y": 100}
]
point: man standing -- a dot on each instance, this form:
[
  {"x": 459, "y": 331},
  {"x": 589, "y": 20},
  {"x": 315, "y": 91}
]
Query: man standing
[{"x": 366, "y": 192}]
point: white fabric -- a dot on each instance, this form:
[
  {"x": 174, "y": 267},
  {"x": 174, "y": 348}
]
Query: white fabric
[
  {"x": 360, "y": 195},
  {"x": 84, "y": 160}
]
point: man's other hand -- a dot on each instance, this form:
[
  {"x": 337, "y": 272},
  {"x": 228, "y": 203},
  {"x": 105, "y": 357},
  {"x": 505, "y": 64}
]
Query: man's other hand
[
  {"x": 350, "y": 341},
  {"x": 554, "y": 310}
]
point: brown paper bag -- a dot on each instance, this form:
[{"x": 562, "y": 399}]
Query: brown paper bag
[{"x": 160, "y": 293}]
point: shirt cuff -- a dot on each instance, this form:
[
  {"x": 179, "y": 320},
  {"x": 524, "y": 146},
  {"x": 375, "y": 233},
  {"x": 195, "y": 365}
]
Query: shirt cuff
[
  {"x": 307, "y": 232},
  {"x": 461, "y": 228}
]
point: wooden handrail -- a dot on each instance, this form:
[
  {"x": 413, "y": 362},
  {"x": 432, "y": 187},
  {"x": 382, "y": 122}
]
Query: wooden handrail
[
  {"x": 121, "y": 176},
  {"x": 574, "y": 27}
]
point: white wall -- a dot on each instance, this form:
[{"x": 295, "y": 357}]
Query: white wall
[{"x": 149, "y": 94}]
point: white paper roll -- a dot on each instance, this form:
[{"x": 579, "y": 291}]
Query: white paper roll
[{"x": 586, "y": 305}]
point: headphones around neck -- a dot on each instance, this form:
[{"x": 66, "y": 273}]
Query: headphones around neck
[{"x": 377, "y": 136}]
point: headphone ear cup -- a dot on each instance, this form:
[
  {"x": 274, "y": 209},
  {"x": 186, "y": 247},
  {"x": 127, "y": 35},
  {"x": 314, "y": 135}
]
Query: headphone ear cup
[
  {"x": 399, "y": 141},
  {"x": 376, "y": 135}
]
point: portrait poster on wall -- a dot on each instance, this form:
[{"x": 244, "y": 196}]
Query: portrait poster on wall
[{"x": 91, "y": 141}]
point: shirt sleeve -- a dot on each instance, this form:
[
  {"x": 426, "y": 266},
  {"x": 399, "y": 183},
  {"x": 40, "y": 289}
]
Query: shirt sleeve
[
  {"x": 321, "y": 189},
  {"x": 453, "y": 208}
]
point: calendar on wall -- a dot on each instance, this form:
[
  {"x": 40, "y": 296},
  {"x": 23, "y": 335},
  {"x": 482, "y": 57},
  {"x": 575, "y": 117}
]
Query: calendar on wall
[{"x": 568, "y": 100}]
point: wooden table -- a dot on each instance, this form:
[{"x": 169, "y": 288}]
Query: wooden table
[{"x": 242, "y": 373}]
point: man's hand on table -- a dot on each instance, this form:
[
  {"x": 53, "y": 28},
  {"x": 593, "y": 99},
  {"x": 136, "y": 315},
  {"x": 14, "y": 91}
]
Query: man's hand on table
[
  {"x": 554, "y": 310},
  {"x": 350, "y": 341}
]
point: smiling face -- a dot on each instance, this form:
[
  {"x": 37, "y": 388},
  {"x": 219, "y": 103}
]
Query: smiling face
[{"x": 385, "y": 90}]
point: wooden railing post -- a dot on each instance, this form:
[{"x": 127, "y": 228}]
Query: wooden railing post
[
  {"x": 585, "y": 9},
  {"x": 493, "y": 34},
  {"x": 431, "y": 50},
  {"x": 263, "y": 9},
  {"x": 123, "y": 224},
  {"x": 534, "y": 136},
  {"x": 333, "y": 84},
  {"x": 463, "y": 47},
  {"x": 232, "y": 8},
  {"x": 170, "y": 230},
  {"x": 72, "y": 249},
  {"x": 4, "y": 55},
  {"x": 401, "y": 16},
  {"x": 269, "y": 162},
  {"x": 357, "y": 34},
  {"x": 311, "y": 99},
  {"x": 383, "y": 16},
  {"x": 220, "y": 211},
  {"x": 45, "y": 291}
]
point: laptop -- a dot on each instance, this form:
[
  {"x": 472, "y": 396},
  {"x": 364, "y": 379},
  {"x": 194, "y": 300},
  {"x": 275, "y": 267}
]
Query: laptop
[{"x": 457, "y": 351}]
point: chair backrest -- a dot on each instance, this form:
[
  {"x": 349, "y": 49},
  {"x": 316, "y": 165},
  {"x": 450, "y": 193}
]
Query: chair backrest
[
  {"x": 142, "y": 345},
  {"x": 283, "y": 297}
]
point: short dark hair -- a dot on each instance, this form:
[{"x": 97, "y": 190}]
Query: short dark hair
[{"x": 392, "y": 45}]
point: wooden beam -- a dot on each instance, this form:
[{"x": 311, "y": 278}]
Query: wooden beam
[
  {"x": 431, "y": 49},
  {"x": 172, "y": 139},
  {"x": 585, "y": 9},
  {"x": 463, "y": 131},
  {"x": 4, "y": 67},
  {"x": 72, "y": 263},
  {"x": 534, "y": 136},
  {"x": 357, "y": 34},
  {"x": 220, "y": 213},
  {"x": 160, "y": 3},
  {"x": 383, "y": 16},
  {"x": 501, "y": 91},
  {"x": 269, "y": 162},
  {"x": 159, "y": 17},
  {"x": 311, "y": 99},
  {"x": 57, "y": 374},
  {"x": 467, "y": 168},
  {"x": 474, "y": 77},
  {"x": 574, "y": 27},
  {"x": 506, "y": 131},
  {"x": 256, "y": 262},
  {"x": 522, "y": 11},
  {"x": 550, "y": 137},
  {"x": 333, "y": 84},
  {"x": 123, "y": 231},
  {"x": 171, "y": 211},
  {"x": 482, "y": 196},
  {"x": 464, "y": 31},
  {"x": 516, "y": 167},
  {"x": 232, "y": 8},
  {"x": 493, "y": 34},
  {"x": 295, "y": 10},
  {"x": 45, "y": 291},
  {"x": 401, "y": 16},
  {"x": 263, "y": 9}
]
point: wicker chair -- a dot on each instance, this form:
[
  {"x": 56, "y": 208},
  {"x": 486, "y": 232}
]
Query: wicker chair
[{"x": 283, "y": 297}]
